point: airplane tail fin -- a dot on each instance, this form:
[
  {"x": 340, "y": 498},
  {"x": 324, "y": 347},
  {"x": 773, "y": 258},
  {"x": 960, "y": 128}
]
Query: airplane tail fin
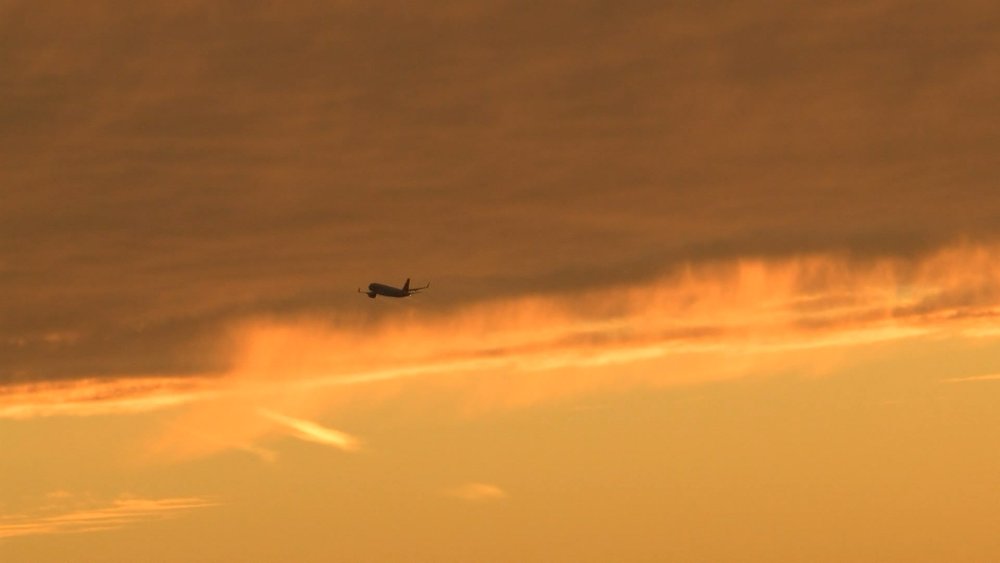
[{"x": 406, "y": 286}]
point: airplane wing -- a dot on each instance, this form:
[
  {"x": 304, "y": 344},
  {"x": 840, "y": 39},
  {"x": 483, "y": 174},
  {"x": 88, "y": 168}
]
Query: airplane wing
[{"x": 415, "y": 289}]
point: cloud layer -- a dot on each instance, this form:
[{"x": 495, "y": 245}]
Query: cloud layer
[
  {"x": 169, "y": 168},
  {"x": 726, "y": 319}
]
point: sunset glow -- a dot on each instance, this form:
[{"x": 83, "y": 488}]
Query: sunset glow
[
  {"x": 703, "y": 323},
  {"x": 702, "y": 282}
]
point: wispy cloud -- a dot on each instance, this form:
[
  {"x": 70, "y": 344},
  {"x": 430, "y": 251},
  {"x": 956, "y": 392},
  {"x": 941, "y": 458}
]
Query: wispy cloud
[
  {"x": 973, "y": 378},
  {"x": 101, "y": 396},
  {"x": 478, "y": 492},
  {"x": 313, "y": 432},
  {"x": 95, "y": 517},
  {"x": 727, "y": 319}
]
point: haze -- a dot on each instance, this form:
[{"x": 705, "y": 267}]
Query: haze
[{"x": 710, "y": 281}]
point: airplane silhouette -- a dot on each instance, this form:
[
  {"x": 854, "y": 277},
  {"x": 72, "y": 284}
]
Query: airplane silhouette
[{"x": 389, "y": 291}]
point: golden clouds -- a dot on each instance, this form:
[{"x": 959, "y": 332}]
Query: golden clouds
[
  {"x": 99, "y": 396},
  {"x": 67, "y": 513},
  {"x": 607, "y": 198},
  {"x": 702, "y": 323},
  {"x": 169, "y": 170}
]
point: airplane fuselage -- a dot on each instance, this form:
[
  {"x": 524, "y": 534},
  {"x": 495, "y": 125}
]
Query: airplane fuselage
[
  {"x": 389, "y": 291},
  {"x": 386, "y": 290}
]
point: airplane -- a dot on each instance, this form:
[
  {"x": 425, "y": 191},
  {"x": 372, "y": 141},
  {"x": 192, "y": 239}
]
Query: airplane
[{"x": 389, "y": 291}]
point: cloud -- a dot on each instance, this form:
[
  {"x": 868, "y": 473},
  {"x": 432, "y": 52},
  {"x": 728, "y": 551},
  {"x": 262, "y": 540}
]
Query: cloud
[
  {"x": 165, "y": 179},
  {"x": 313, "y": 432},
  {"x": 478, "y": 492},
  {"x": 705, "y": 322},
  {"x": 102, "y": 396},
  {"x": 973, "y": 378},
  {"x": 88, "y": 516}
]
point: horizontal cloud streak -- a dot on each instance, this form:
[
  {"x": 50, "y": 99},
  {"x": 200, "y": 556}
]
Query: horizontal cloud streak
[
  {"x": 102, "y": 396},
  {"x": 973, "y": 378},
  {"x": 745, "y": 307},
  {"x": 313, "y": 432},
  {"x": 478, "y": 492},
  {"x": 705, "y": 322},
  {"x": 122, "y": 512}
]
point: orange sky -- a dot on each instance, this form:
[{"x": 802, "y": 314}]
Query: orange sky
[{"x": 709, "y": 282}]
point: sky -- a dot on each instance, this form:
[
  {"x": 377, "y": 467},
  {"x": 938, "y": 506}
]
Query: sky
[{"x": 709, "y": 281}]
